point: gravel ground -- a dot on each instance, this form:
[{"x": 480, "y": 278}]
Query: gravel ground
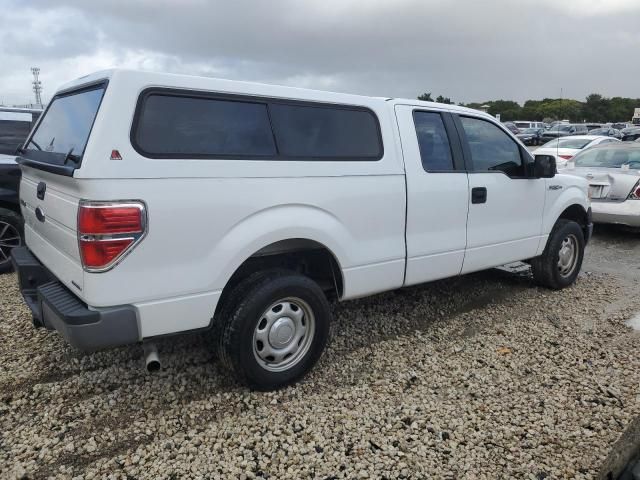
[{"x": 484, "y": 376}]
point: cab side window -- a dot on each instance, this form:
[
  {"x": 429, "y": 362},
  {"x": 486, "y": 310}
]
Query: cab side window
[
  {"x": 491, "y": 148},
  {"x": 433, "y": 141}
]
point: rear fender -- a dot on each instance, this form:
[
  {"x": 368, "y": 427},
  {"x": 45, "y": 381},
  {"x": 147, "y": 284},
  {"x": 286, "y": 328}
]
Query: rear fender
[{"x": 274, "y": 224}]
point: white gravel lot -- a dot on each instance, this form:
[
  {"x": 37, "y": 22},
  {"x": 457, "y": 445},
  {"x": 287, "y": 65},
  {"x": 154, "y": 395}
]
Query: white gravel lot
[{"x": 485, "y": 376}]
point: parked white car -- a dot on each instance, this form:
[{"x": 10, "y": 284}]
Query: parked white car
[
  {"x": 159, "y": 204},
  {"x": 613, "y": 173},
  {"x": 565, "y": 148},
  {"x": 524, "y": 124}
]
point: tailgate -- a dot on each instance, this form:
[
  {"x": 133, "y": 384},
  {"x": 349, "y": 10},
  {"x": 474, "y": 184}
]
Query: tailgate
[
  {"x": 49, "y": 193},
  {"x": 50, "y": 208}
]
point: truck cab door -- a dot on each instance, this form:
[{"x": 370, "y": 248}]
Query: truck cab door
[
  {"x": 437, "y": 194},
  {"x": 506, "y": 205}
]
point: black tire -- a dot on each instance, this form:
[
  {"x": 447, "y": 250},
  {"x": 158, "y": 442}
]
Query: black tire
[
  {"x": 245, "y": 308},
  {"x": 11, "y": 235},
  {"x": 547, "y": 269}
]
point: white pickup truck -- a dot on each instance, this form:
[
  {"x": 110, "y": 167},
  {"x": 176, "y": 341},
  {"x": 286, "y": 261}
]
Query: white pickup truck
[{"x": 157, "y": 204}]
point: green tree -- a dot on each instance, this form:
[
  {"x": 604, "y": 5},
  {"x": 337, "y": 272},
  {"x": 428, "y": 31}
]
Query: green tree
[
  {"x": 508, "y": 109},
  {"x": 425, "y": 97},
  {"x": 621, "y": 109},
  {"x": 596, "y": 108},
  {"x": 442, "y": 99},
  {"x": 531, "y": 110}
]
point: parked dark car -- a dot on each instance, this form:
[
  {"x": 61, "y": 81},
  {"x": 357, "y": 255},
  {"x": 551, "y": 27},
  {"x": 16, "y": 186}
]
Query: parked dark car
[
  {"x": 15, "y": 125},
  {"x": 606, "y": 132},
  {"x": 581, "y": 129},
  {"x": 630, "y": 134},
  {"x": 512, "y": 127},
  {"x": 531, "y": 136},
  {"x": 558, "y": 130},
  {"x": 619, "y": 126}
]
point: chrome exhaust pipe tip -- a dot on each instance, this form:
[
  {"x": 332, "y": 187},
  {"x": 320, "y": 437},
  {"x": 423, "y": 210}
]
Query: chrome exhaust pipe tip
[{"x": 151, "y": 357}]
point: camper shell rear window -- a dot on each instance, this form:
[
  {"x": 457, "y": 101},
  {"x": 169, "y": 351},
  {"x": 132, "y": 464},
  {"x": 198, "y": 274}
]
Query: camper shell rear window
[
  {"x": 182, "y": 124},
  {"x": 57, "y": 144}
]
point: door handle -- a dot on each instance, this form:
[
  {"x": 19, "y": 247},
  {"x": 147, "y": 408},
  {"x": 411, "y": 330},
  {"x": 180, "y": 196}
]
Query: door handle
[
  {"x": 479, "y": 195},
  {"x": 42, "y": 187},
  {"x": 39, "y": 214}
]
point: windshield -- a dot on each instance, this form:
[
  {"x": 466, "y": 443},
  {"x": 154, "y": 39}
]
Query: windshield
[
  {"x": 575, "y": 143},
  {"x": 64, "y": 129},
  {"x": 529, "y": 130},
  {"x": 560, "y": 128},
  {"x": 609, "y": 158},
  {"x": 522, "y": 124}
]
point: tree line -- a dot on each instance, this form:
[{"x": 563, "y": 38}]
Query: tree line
[{"x": 595, "y": 108}]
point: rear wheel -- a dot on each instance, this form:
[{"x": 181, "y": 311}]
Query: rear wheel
[
  {"x": 11, "y": 236},
  {"x": 560, "y": 263},
  {"x": 273, "y": 329}
]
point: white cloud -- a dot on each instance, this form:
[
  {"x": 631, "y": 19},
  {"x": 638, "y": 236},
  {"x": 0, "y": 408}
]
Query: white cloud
[
  {"x": 467, "y": 51},
  {"x": 592, "y": 7}
]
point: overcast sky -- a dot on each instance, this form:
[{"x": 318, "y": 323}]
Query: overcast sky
[{"x": 465, "y": 49}]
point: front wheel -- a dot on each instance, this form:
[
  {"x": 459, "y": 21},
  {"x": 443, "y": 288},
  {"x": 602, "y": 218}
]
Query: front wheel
[
  {"x": 273, "y": 329},
  {"x": 560, "y": 263},
  {"x": 10, "y": 237}
]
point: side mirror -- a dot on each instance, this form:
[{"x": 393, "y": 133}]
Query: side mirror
[{"x": 544, "y": 166}]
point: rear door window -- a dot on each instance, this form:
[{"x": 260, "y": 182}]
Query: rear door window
[{"x": 433, "y": 141}]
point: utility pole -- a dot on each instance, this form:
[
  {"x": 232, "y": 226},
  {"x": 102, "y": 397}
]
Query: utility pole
[{"x": 37, "y": 85}]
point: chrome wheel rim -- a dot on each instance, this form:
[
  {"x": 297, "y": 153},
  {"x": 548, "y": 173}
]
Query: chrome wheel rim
[
  {"x": 9, "y": 238},
  {"x": 283, "y": 334},
  {"x": 568, "y": 255}
]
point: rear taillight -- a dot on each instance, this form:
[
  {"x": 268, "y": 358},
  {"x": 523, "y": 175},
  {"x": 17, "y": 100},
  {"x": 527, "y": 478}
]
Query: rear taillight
[
  {"x": 109, "y": 230},
  {"x": 109, "y": 219},
  {"x": 635, "y": 192},
  {"x": 566, "y": 157}
]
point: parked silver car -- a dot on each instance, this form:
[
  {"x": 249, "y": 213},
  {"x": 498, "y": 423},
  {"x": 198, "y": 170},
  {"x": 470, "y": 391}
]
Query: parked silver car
[{"x": 613, "y": 173}]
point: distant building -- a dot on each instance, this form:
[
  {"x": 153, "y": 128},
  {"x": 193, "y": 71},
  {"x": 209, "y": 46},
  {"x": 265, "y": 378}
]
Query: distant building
[{"x": 30, "y": 106}]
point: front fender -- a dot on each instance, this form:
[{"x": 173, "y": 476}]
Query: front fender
[{"x": 563, "y": 191}]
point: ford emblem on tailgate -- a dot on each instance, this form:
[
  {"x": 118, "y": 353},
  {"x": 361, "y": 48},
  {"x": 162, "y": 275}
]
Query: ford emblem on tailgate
[{"x": 42, "y": 187}]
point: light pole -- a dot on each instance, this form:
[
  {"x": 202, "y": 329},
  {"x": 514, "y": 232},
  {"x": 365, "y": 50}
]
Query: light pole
[{"x": 37, "y": 85}]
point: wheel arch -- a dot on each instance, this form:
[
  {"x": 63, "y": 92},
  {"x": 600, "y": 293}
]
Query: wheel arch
[
  {"x": 280, "y": 230},
  {"x": 303, "y": 255},
  {"x": 572, "y": 203},
  {"x": 578, "y": 214}
]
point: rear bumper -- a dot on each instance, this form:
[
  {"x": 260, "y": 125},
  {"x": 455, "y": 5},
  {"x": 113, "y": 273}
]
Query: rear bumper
[
  {"x": 622, "y": 213},
  {"x": 56, "y": 308}
]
